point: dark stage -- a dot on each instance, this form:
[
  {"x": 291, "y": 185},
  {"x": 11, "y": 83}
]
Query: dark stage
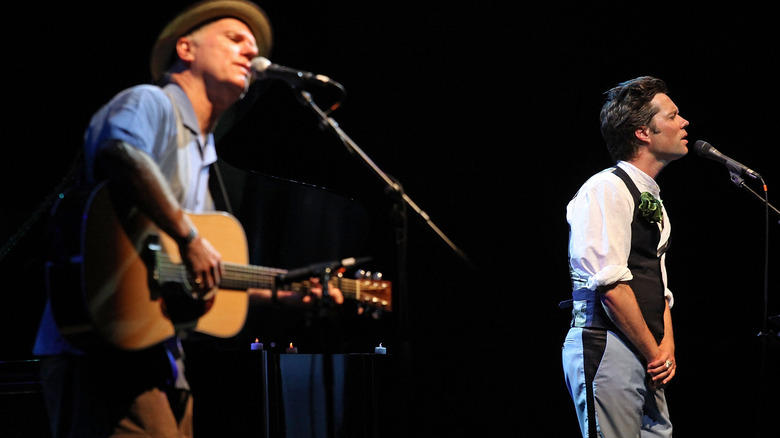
[{"x": 487, "y": 114}]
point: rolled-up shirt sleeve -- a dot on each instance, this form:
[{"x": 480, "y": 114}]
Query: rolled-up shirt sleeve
[
  {"x": 667, "y": 293},
  {"x": 139, "y": 116},
  {"x": 600, "y": 218}
]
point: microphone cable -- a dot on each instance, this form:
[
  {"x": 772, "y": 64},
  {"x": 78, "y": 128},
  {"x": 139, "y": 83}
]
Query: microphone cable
[{"x": 763, "y": 389}]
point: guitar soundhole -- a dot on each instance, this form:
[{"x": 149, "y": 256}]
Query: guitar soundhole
[{"x": 180, "y": 307}]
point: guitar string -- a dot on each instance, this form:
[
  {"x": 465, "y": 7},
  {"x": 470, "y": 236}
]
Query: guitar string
[{"x": 263, "y": 277}]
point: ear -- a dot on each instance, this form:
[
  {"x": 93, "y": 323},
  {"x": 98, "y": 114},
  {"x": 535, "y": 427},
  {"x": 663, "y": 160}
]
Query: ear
[
  {"x": 643, "y": 134},
  {"x": 184, "y": 49}
]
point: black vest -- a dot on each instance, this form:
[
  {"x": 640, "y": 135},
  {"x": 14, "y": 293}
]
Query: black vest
[{"x": 644, "y": 262}]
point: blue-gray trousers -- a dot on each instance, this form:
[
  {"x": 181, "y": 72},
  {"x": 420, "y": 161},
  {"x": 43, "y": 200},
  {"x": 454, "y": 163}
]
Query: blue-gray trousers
[{"x": 608, "y": 383}]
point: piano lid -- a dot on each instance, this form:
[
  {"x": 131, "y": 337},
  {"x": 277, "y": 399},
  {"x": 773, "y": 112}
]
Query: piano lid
[{"x": 290, "y": 224}]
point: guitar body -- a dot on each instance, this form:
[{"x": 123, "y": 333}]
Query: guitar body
[{"x": 103, "y": 290}]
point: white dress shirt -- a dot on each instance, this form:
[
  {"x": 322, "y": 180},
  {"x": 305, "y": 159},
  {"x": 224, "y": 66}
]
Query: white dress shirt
[{"x": 600, "y": 217}]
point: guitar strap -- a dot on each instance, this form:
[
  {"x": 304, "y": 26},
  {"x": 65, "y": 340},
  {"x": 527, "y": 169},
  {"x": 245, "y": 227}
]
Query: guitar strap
[
  {"x": 222, "y": 193},
  {"x": 181, "y": 141}
]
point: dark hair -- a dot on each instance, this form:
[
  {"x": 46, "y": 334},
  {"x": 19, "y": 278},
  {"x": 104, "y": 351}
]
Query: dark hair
[{"x": 628, "y": 108}]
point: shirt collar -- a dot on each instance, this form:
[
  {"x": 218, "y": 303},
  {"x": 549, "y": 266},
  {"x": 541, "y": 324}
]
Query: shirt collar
[
  {"x": 186, "y": 111},
  {"x": 643, "y": 181},
  {"x": 188, "y": 119}
]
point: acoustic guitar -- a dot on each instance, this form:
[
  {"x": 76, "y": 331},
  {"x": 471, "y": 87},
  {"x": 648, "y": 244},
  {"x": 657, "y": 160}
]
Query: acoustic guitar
[{"x": 122, "y": 281}]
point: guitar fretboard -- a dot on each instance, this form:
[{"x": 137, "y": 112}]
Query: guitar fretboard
[{"x": 244, "y": 277}]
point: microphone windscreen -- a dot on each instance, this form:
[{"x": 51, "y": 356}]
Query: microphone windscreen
[
  {"x": 701, "y": 147},
  {"x": 260, "y": 64}
]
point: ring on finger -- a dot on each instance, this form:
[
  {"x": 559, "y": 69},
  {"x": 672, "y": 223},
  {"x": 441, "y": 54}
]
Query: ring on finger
[{"x": 668, "y": 363}]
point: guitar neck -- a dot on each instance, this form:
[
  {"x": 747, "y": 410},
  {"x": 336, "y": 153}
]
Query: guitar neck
[
  {"x": 244, "y": 277},
  {"x": 374, "y": 292}
]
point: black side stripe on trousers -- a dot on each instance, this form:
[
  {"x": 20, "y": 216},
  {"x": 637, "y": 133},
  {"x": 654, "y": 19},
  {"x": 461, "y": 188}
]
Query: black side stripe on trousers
[{"x": 594, "y": 342}]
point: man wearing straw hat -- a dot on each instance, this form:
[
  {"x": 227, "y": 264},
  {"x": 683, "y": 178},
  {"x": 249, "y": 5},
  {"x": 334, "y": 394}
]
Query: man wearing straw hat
[{"x": 154, "y": 143}]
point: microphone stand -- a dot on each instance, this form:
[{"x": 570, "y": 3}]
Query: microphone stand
[
  {"x": 327, "y": 357},
  {"x": 766, "y": 335},
  {"x": 395, "y": 189},
  {"x": 392, "y": 186},
  {"x": 402, "y": 200},
  {"x": 737, "y": 179}
]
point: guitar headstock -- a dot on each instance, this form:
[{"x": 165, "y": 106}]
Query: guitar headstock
[{"x": 371, "y": 291}]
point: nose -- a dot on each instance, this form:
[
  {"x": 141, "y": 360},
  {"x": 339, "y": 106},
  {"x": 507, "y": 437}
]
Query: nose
[
  {"x": 250, "y": 50},
  {"x": 685, "y": 123}
]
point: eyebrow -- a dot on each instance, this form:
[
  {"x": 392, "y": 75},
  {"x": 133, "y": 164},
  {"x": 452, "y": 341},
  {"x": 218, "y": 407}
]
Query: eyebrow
[{"x": 247, "y": 36}]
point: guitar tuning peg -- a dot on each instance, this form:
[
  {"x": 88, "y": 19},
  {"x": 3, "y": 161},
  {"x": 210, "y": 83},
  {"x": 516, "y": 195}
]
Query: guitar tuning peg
[
  {"x": 360, "y": 274},
  {"x": 377, "y": 276}
]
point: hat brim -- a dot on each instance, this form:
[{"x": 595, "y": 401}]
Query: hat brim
[{"x": 200, "y": 13}]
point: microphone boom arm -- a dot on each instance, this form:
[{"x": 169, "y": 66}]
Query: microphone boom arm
[
  {"x": 391, "y": 185},
  {"x": 736, "y": 178}
]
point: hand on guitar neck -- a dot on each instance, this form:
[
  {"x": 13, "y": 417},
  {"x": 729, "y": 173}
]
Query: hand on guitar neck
[{"x": 294, "y": 298}]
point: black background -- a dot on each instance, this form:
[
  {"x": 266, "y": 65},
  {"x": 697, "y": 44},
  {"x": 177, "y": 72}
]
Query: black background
[{"x": 487, "y": 113}]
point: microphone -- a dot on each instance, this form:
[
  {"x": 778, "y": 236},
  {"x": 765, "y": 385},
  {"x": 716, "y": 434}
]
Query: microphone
[
  {"x": 317, "y": 269},
  {"x": 707, "y": 151},
  {"x": 262, "y": 68}
]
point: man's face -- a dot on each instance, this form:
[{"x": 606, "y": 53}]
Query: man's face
[
  {"x": 667, "y": 135},
  {"x": 222, "y": 52}
]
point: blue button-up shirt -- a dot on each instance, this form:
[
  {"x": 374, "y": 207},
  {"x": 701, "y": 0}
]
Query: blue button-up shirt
[{"x": 144, "y": 116}]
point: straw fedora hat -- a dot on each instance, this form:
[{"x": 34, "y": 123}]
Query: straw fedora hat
[{"x": 203, "y": 12}]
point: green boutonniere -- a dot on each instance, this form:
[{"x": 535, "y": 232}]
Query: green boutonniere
[{"x": 650, "y": 208}]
